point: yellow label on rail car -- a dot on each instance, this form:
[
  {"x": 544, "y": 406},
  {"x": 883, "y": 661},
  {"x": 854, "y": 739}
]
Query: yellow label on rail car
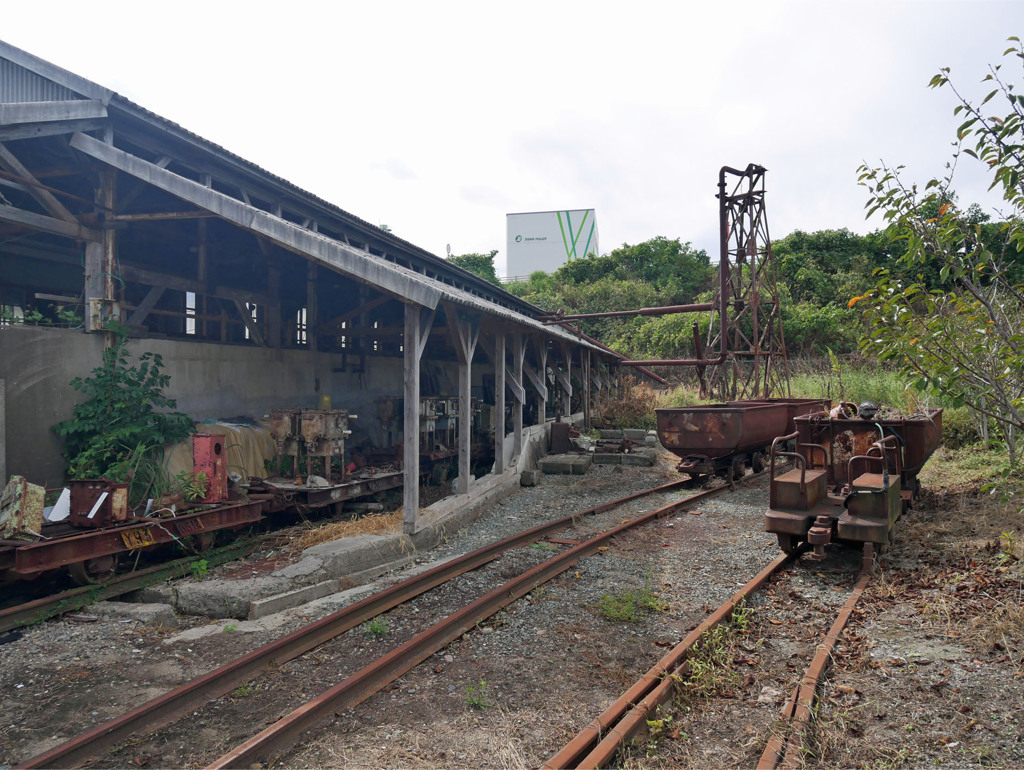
[{"x": 138, "y": 538}]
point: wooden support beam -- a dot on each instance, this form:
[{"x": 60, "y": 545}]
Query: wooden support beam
[
  {"x": 156, "y": 216},
  {"x": 35, "y": 188},
  {"x": 134, "y": 274},
  {"x": 312, "y": 307},
  {"x": 148, "y": 303},
  {"x": 499, "y": 403},
  {"x": 13, "y": 113},
  {"x": 417, "y": 321},
  {"x": 519, "y": 392},
  {"x": 331, "y": 327},
  {"x": 464, "y": 332},
  {"x": 254, "y": 330},
  {"x": 56, "y": 128},
  {"x": 331, "y": 253},
  {"x": 516, "y": 386},
  {"x": 540, "y": 377},
  {"x": 49, "y": 224}
]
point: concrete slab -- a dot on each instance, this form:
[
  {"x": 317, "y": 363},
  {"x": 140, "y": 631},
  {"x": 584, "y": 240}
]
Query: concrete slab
[
  {"x": 271, "y": 604},
  {"x": 611, "y": 435},
  {"x": 644, "y": 457},
  {"x": 582, "y": 464},
  {"x": 607, "y": 458},
  {"x": 557, "y": 464},
  {"x": 226, "y": 598},
  {"x": 144, "y": 613},
  {"x": 634, "y": 434}
]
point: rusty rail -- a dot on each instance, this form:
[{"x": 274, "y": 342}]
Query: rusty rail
[
  {"x": 785, "y": 747},
  {"x": 597, "y": 744},
  {"x": 192, "y": 695},
  {"x": 75, "y": 599},
  {"x": 371, "y": 678}
]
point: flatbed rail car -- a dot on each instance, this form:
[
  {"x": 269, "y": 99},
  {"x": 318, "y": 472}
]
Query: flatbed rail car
[
  {"x": 92, "y": 553},
  {"x": 852, "y": 479},
  {"x": 726, "y": 438}
]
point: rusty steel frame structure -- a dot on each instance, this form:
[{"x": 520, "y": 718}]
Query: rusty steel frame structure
[{"x": 752, "y": 360}]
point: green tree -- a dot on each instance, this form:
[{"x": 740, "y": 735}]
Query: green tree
[
  {"x": 674, "y": 269},
  {"x": 480, "y": 264},
  {"x": 966, "y": 338}
]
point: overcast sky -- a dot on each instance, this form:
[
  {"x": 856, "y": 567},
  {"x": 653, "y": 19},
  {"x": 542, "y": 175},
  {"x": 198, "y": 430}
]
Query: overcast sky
[{"x": 438, "y": 118}]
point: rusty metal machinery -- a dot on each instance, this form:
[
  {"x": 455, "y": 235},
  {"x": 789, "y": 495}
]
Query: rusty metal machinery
[
  {"x": 746, "y": 320},
  {"x": 317, "y": 434},
  {"x": 851, "y": 479},
  {"x": 748, "y": 329}
]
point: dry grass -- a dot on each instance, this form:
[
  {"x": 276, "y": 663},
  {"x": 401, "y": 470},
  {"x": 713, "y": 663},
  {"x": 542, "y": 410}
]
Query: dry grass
[
  {"x": 371, "y": 524},
  {"x": 633, "y": 407}
]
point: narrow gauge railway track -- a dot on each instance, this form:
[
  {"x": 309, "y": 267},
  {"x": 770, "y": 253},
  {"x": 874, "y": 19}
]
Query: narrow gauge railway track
[
  {"x": 190, "y": 696},
  {"x": 46, "y": 607},
  {"x": 598, "y": 744}
]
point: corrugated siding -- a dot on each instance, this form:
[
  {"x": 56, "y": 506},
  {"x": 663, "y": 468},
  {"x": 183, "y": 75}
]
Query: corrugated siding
[{"x": 18, "y": 84}]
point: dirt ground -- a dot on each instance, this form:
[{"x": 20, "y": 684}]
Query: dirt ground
[{"x": 930, "y": 671}]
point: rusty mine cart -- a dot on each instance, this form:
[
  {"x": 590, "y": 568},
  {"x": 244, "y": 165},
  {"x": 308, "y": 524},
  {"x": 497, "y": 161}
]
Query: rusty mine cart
[{"x": 852, "y": 479}]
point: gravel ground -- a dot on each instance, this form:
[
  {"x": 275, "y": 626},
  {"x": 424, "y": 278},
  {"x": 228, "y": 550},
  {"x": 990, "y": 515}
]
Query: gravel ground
[{"x": 512, "y": 691}]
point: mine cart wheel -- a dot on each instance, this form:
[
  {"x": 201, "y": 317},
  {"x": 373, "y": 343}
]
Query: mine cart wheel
[
  {"x": 757, "y": 463},
  {"x": 788, "y": 543},
  {"x": 737, "y": 470},
  {"x": 91, "y": 571}
]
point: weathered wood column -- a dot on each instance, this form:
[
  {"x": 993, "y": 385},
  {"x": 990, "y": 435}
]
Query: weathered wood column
[
  {"x": 464, "y": 334},
  {"x": 566, "y": 379},
  {"x": 585, "y": 364},
  {"x": 499, "y": 403},
  {"x": 417, "y": 330},
  {"x": 518, "y": 393},
  {"x": 538, "y": 377}
]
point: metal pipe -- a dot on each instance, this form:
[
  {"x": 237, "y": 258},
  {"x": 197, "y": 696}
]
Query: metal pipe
[{"x": 647, "y": 311}]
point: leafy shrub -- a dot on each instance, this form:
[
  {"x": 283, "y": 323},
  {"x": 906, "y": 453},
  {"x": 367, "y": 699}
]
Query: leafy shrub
[
  {"x": 117, "y": 432},
  {"x": 959, "y": 428},
  {"x": 632, "y": 407}
]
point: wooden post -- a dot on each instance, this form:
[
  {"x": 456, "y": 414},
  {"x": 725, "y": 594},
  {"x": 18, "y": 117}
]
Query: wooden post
[
  {"x": 3, "y": 435},
  {"x": 585, "y": 363},
  {"x": 464, "y": 337},
  {"x": 417, "y": 329},
  {"x": 273, "y": 309},
  {"x": 499, "y": 403},
  {"x": 567, "y": 383},
  {"x": 312, "y": 311},
  {"x": 519, "y": 394},
  {"x": 541, "y": 348}
]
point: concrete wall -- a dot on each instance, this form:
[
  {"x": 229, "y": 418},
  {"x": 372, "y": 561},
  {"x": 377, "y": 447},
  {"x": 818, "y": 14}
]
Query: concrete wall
[{"x": 207, "y": 380}]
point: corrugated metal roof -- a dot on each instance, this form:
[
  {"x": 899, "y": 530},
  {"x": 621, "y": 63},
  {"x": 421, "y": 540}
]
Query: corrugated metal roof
[
  {"x": 16, "y": 80},
  {"x": 18, "y": 84}
]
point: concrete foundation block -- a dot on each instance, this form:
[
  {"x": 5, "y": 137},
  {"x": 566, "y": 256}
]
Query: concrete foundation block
[
  {"x": 556, "y": 464},
  {"x": 639, "y": 458},
  {"x": 226, "y": 598},
  {"x": 611, "y": 435},
  {"x": 160, "y": 593},
  {"x": 271, "y": 604},
  {"x": 650, "y": 441},
  {"x": 634, "y": 434},
  {"x": 529, "y": 478},
  {"x": 144, "y": 613},
  {"x": 607, "y": 458},
  {"x": 581, "y": 464}
]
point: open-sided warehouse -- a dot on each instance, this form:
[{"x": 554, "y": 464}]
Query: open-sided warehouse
[{"x": 257, "y": 294}]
